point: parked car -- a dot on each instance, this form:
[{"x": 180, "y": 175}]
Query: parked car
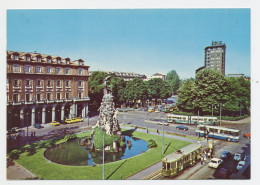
[
  {"x": 79, "y": 119},
  {"x": 224, "y": 173},
  {"x": 157, "y": 111},
  {"x": 69, "y": 121},
  {"x": 237, "y": 156},
  {"x": 139, "y": 109},
  {"x": 74, "y": 120},
  {"x": 247, "y": 135},
  {"x": 215, "y": 163},
  {"x": 225, "y": 155},
  {"x": 38, "y": 126},
  {"x": 240, "y": 165},
  {"x": 55, "y": 123},
  {"x": 145, "y": 109},
  {"x": 181, "y": 127}
]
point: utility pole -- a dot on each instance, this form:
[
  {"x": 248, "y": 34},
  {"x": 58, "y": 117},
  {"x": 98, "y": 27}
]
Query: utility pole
[
  {"x": 103, "y": 158},
  {"x": 163, "y": 139}
]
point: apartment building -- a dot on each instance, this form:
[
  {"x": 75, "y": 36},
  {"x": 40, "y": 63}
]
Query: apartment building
[{"x": 43, "y": 88}]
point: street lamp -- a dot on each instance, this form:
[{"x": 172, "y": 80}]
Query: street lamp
[
  {"x": 163, "y": 139},
  {"x": 220, "y": 106}
]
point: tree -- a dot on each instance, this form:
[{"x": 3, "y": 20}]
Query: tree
[
  {"x": 118, "y": 85},
  {"x": 185, "y": 94},
  {"x": 238, "y": 96},
  {"x": 157, "y": 89},
  {"x": 209, "y": 89},
  {"x": 96, "y": 87},
  {"x": 135, "y": 90},
  {"x": 173, "y": 80}
]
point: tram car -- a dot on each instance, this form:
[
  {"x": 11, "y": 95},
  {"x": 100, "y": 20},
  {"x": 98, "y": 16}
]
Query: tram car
[{"x": 175, "y": 162}]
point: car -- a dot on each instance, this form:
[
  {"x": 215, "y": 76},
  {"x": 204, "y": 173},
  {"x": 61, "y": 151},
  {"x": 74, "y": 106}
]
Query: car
[
  {"x": 74, "y": 120},
  {"x": 181, "y": 127},
  {"x": 55, "y": 123},
  {"x": 161, "y": 123},
  {"x": 69, "y": 121},
  {"x": 240, "y": 165},
  {"x": 79, "y": 119},
  {"x": 225, "y": 155},
  {"x": 237, "y": 156},
  {"x": 224, "y": 173},
  {"x": 38, "y": 126},
  {"x": 247, "y": 135},
  {"x": 215, "y": 163},
  {"x": 139, "y": 109},
  {"x": 157, "y": 111}
]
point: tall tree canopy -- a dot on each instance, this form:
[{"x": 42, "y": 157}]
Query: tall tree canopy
[{"x": 173, "y": 80}]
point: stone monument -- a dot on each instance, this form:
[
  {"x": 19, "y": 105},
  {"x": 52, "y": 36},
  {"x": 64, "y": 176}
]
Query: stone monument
[{"x": 107, "y": 119}]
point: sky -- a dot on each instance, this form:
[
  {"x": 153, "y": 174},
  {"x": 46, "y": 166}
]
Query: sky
[{"x": 144, "y": 41}]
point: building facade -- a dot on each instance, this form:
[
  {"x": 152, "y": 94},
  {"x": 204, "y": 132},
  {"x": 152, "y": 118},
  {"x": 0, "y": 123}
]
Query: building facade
[
  {"x": 157, "y": 75},
  {"x": 215, "y": 56},
  {"x": 43, "y": 88},
  {"x": 127, "y": 76}
]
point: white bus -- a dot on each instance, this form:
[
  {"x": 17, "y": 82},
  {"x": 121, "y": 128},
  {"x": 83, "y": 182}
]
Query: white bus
[
  {"x": 218, "y": 132},
  {"x": 174, "y": 118}
]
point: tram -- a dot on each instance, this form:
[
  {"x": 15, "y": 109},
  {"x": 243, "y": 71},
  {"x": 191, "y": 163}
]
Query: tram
[
  {"x": 175, "y": 162},
  {"x": 174, "y": 118}
]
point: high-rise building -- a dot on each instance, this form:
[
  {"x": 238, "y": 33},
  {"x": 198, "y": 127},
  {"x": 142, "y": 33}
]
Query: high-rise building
[
  {"x": 43, "y": 88},
  {"x": 215, "y": 57}
]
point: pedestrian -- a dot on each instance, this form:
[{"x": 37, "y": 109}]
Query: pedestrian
[
  {"x": 146, "y": 129},
  {"x": 157, "y": 131},
  {"x": 201, "y": 160},
  {"x": 31, "y": 134}
]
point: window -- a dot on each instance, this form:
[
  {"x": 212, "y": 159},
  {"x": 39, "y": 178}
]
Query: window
[
  {"x": 58, "y": 61},
  {"x": 58, "y": 70},
  {"x": 48, "y": 60},
  {"x": 67, "y": 62},
  {"x": 39, "y": 83},
  {"x": 49, "y": 83},
  {"x": 16, "y": 68},
  {"x": 15, "y": 57},
  {"x": 67, "y": 71},
  {"x": 48, "y": 69},
  {"x": 58, "y": 83},
  {"x": 67, "y": 83},
  {"x": 27, "y": 58},
  {"x": 38, "y": 59},
  {"x": 38, "y": 97},
  {"x": 80, "y": 95},
  {"x": 27, "y": 69},
  {"x": 58, "y": 96},
  {"x": 67, "y": 95},
  {"x": 80, "y": 83},
  {"x": 38, "y": 69},
  {"x": 16, "y": 83},
  {"x": 80, "y": 71},
  {"x": 49, "y": 96},
  {"x": 15, "y": 98},
  {"x": 27, "y": 83},
  {"x": 27, "y": 97}
]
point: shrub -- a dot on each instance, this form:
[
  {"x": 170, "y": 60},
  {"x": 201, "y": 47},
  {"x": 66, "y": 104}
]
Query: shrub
[
  {"x": 70, "y": 137},
  {"x": 152, "y": 144},
  {"x": 14, "y": 154}
]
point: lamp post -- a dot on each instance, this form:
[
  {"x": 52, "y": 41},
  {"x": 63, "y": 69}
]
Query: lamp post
[
  {"x": 220, "y": 106},
  {"x": 163, "y": 139},
  {"x": 103, "y": 158}
]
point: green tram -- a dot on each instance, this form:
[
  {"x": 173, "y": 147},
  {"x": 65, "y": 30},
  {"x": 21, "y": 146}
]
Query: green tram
[
  {"x": 175, "y": 162},
  {"x": 197, "y": 120}
]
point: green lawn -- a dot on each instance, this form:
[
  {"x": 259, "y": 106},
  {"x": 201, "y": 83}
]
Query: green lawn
[{"x": 44, "y": 169}]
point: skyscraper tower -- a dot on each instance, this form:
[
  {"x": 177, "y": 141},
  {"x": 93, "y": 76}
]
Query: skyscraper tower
[{"x": 215, "y": 56}]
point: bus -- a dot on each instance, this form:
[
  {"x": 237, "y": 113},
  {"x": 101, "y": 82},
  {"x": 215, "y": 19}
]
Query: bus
[
  {"x": 227, "y": 134},
  {"x": 174, "y": 118},
  {"x": 176, "y": 162}
]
